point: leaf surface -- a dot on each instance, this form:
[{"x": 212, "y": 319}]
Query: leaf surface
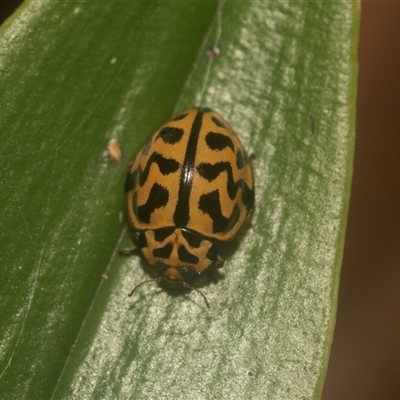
[{"x": 75, "y": 75}]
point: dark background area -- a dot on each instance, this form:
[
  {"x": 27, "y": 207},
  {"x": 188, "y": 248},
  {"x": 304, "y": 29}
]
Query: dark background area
[
  {"x": 365, "y": 356},
  {"x": 7, "y": 7}
]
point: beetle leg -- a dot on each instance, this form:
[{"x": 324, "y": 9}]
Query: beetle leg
[
  {"x": 219, "y": 262},
  {"x": 130, "y": 252}
]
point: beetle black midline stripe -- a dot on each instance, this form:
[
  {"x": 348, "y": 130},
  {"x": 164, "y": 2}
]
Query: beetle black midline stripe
[
  {"x": 181, "y": 214},
  {"x": 189, "y": 191}
]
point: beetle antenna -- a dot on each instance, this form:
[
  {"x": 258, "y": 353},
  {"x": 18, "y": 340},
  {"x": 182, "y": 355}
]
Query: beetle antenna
[
  {"x": 142, "y": 283},
  {"x": 159, "y": 279},
  {"x": 184, "y": 284}
]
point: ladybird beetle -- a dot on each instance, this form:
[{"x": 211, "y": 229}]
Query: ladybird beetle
[{"x": 188, "y": 191}]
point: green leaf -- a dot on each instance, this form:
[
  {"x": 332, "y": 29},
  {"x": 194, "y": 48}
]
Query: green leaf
[{"x": 75, "y": 75}]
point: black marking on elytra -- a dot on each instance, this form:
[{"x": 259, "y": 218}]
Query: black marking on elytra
[
  {"x": 163, "y": 252},
  {"x": 211, "y": 205},
  {"x": 165, "y": 165},
  {"x": 181, "y": 214},
  {"x": 248, "y": 197},
  {"x": 130, "y": 181},
  {"x": 193, "y": 239},
  {"x": 241, "y": 159},
  {"x": 158, "y": 198},
  {"x": 219, "y": 123},
  {"x": 179, "y": 117},
  {"x": 218, "y": 141},
  {"x": 212, "y": 171},
  {"x": 187, "y": 257},
  {"x": 161, "y": 234},
  {"x": 170, "y": 134}
]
